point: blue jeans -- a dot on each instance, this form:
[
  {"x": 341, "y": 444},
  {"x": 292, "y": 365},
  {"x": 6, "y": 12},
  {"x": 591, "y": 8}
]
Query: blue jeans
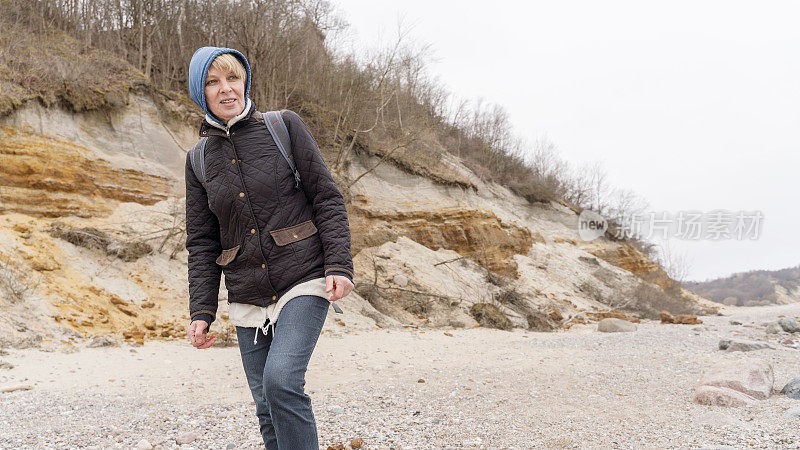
[{"x": 276, "y": 368}]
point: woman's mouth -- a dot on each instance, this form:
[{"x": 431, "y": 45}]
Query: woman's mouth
[{"x": 228, "y": 101}]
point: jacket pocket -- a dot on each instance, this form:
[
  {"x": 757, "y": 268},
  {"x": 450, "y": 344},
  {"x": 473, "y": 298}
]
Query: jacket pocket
[
  {"x": 228, "y": 255},
  {"x": 294, "y": 233}
]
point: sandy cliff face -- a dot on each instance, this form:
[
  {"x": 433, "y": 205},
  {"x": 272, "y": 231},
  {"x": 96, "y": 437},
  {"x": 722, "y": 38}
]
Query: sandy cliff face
[
  {"x": 47, "y": 177},
  {"x": 91, "y": 227}
]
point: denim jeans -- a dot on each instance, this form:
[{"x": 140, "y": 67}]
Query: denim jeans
[{"x": 276, "y": 367}]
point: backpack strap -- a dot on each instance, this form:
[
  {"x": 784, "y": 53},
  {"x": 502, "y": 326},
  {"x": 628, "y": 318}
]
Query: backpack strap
[
  {"x": 198, "y": 157},
  {"x": 280, "y": 134}
]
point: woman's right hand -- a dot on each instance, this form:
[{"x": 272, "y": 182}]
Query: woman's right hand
[{"x": 197, "y": 335}]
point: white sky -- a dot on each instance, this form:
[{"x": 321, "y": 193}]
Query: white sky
[{"x": 691, "y": 104}]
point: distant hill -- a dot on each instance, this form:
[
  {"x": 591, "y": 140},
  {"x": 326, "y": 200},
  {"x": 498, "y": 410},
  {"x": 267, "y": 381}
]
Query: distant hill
[{"x": 753, "y": 288}]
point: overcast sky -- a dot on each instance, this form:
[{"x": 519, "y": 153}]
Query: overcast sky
[{"x": 691, "y": 104}]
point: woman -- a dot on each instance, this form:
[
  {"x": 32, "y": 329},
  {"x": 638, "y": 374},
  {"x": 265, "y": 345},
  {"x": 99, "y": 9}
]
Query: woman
[{"x": 284, "y": 248}]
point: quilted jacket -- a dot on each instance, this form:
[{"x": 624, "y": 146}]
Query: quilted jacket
[{"x": 249, "y": 221}]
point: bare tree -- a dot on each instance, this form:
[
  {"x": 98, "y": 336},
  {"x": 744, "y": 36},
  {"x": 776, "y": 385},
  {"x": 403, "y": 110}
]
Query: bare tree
[{"x": 676, "y": 264}]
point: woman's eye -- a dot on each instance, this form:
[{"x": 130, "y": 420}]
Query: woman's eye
[
  {"x": 209, "y": 82},
  {"x": 233, "y": 77}
]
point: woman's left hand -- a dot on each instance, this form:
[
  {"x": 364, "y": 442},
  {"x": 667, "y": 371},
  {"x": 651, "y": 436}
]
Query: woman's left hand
[{"x": 340, "y": 285}]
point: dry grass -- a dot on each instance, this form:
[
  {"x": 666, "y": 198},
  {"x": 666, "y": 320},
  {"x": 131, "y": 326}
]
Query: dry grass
[
  {"x": 56, "y": 69},
  {"x": 489, "y": 315},
  {"x": 93, "y": 238},
  {"x": 648, "y": 300},
  {"x": 12, "y": 283}
]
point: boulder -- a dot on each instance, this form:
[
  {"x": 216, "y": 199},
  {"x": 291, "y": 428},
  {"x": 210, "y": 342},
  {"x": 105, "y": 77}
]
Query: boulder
[
  {"x": 612, "y": 325},
  {"x": 717, "y": 396},
  {"x": 739, "y": 345},
  {"x": 773, "y": 328},
  {"x": 752, "y": 377},
  {"x": 789, "y": 325},
  {"x": 687, "y": 319},
  {"x": 792, "y": 389}
]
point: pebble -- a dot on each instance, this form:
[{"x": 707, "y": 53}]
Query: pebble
[
  {"x": 144, "y": 445},
  {"x": 186, "y": 438},
  {"x": 631, "y": 391}
]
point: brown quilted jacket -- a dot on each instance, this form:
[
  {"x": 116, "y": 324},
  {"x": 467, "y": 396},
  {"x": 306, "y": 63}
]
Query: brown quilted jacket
[{"x": 249, "y": 221}]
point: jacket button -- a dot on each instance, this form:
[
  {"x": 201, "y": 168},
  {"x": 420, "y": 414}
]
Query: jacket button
[
  {"x": 273, "y": 297},
  {"x": 294, "y": 235},
  {"x": 241, "y": 194},
  {"x": 263, "y": 266},
  {"x": 252, "y": 231},
  {"x": 233, "y": 161}
]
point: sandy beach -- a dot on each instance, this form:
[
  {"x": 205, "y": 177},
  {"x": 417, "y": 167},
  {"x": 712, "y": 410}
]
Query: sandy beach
[{"x": 414, "y": 388}]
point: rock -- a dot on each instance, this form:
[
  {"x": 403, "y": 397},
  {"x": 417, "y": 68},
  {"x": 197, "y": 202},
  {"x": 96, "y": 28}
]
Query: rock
[
  {"x": 102, "y": 341},
  {"x": 718, "y": 396},
  {"x": 137, "y": 336},
  {"x": 792, "y": 343},
  {"x": 738, "y": 345},
  {"x": 792, "y": 389},
  {"x": 144, "y": 445},
  {"x": 186, "y": 438},
  {"x": 336, "y": 446},
  {"x": 773, "y": 328},
  {"x": 789, "y": 325},
  {"x": 794, "y": 411},
  {"x": 230, "y": 446},
  {"x": 148, "y": 304},
  {"x": 752, "y": 377},
  {"x": 356, "y": 443},
  {"x": 6, "y": 365},
  {"x": 735, "y": 322},
  {"x": 612, "y": 325},
  {"x": 666, "y": 317},
  {"x": 400, "y": 280},
  {"x": 687, "y": 319},
  {"x": 420, "y": 380},
  {"x": 150, "y": 324},
  {"x": 336, "y": 409}
]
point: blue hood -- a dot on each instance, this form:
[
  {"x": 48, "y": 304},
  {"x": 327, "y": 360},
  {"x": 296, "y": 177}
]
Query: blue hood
[{"x": 198, "y": 68}]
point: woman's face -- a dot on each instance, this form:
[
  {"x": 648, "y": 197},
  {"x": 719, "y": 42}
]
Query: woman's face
[{"x": 224, "y": 94}]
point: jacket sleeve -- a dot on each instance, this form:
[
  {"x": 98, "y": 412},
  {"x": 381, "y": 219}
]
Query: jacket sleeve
[
  {"x": 330, "y": 213},
  {"x": 203, "y": 245}
]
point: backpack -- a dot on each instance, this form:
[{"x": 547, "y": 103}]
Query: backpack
[{"x": 280, "y": 134}]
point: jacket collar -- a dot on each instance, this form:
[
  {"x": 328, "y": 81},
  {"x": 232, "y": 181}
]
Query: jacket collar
[{"x": 209, "y": 127}]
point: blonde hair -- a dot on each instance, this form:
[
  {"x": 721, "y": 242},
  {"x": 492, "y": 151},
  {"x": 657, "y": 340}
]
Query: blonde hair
[{"x": 226, "y": 62}]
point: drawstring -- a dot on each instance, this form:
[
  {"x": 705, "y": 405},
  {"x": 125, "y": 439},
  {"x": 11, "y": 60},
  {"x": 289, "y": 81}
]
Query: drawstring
[{"x": 263, "y": 330}]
